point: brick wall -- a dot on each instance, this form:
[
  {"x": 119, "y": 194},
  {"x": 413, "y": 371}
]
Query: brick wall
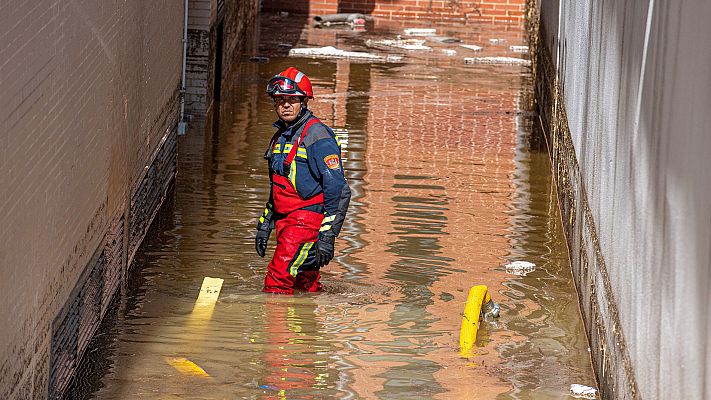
[
  {"x": 89, "y": 94},
  {"x": 463, "y": 10}
]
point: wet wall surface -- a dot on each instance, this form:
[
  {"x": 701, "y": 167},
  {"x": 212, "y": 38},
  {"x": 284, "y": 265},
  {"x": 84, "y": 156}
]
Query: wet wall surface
[{"x": 449, "y": 185}]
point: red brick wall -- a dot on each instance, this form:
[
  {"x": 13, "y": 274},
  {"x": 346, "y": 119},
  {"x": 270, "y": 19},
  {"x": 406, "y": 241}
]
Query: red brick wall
[{"x": 487, "y": 10}]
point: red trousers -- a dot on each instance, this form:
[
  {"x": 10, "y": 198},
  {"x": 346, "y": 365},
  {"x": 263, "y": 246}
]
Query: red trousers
[{"x": 294, "y": 263}]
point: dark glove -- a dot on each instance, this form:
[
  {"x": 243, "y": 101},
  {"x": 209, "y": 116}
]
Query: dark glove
[
  {"x": 324, "y": 250},
  {"x": 260, "y": 242}
]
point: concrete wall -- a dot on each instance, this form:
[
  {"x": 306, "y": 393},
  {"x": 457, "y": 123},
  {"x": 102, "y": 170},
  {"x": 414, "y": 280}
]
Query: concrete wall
[
  {"x": 625, "y": 95},
  {"x": 479, "y": 10},
  {"x": 232, "y": 26},
  {"x": 89, "y": 100}
]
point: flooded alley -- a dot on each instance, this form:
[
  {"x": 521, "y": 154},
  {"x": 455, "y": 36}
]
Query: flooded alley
[{"x": 451, "y": 182}]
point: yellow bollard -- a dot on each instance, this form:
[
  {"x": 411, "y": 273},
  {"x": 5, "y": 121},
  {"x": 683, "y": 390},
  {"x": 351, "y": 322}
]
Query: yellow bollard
[{"x": 478, "y": 297}]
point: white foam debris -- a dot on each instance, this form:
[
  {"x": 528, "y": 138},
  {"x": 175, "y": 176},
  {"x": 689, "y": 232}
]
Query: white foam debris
[
  {"x": 449, "y": 52},
  {"x": 583, "y": 392},
  {"x": 420, "y": 31},
  {"x": 497, "y": 41},
  {"x": 496, "y": 60},
  {"x": 519, "y": 49},
  {"x": 405, "y": 44},
  {"x": 471, "y": 47},
  {"x": 520, "y": 268},
  {"x": 330, "y": 51}
]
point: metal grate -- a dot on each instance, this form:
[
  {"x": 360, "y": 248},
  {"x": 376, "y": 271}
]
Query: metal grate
[
  {"x": 114, "y": 260},
  {"x": 152, "y": 191},
  {"x": 73, "y": 328},
  {"x": 77, "y": 322}
]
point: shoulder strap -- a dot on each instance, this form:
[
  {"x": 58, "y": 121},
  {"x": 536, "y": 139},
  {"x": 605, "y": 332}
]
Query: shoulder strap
[{"x": 295, "y": 147}]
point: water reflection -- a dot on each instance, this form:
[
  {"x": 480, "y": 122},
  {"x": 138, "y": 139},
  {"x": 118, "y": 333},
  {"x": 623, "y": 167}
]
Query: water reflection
[{"x": 446, "y": 190}]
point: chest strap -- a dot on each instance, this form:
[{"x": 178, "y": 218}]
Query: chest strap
[{"x": 302, "y": 136}]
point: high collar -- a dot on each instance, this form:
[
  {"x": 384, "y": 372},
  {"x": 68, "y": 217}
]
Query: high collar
[{"x": 294, "y": 126}]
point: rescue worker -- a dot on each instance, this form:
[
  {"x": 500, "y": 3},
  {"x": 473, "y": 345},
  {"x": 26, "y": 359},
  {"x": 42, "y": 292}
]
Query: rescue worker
[{"x": 309, "y": 194}]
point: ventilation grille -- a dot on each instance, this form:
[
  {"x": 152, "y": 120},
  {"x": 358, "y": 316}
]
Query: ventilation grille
[
  {"x": 151, "y": 192},
  {"x": 77, "y": 322},
  {"x": 75, "y": 325}
]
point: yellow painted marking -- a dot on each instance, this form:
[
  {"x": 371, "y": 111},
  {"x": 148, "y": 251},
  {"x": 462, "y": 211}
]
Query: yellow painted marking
[
  {"x": 478, "y": 296},
  {"x": 205, "y": 303},
  {"x": 210, "y": 290},
  {"x": 186, "y": 366}
]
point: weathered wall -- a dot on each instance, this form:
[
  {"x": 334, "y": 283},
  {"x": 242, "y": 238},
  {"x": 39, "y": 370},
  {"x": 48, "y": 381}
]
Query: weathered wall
[
  {"x": 89, "y": 94},
  {"x": 199, "y": 16},
  {"x": 487, "y": 10},
  {"x": 625, "y": 96},
  {"x": 232, "y": 37}
]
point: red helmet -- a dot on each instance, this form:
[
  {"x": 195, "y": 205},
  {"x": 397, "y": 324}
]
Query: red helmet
[{"x": 290, "y": 82}]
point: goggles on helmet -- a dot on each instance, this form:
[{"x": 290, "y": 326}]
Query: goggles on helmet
[{"x": 280, "y": 85}]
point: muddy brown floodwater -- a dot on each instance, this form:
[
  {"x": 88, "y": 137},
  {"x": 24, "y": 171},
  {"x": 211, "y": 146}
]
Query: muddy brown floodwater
[{"x": 450, "y": 183}]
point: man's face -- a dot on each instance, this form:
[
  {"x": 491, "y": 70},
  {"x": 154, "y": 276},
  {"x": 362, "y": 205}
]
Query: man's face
[{"x": 287, "y": 107}]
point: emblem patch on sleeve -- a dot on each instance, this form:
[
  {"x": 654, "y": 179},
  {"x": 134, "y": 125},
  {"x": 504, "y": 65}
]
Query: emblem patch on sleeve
[{"x": 332, "y": 161}]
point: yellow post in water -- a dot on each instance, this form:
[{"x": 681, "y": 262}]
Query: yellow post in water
[
  {"x": 205, "y": 303},
  {"x": 478, "y": 296},
  {"x": 197, "y": 324}
]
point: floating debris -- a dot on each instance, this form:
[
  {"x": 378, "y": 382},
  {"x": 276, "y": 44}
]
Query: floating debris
[
  {"x": 471, "y": 47},
  {"x": 259, "y": 59},
  {"x": 352, "y": 19},
  {"x": 583, "y": 392},
  {"x": 444, "y": 39},
  {"x": 497, "y": 41},
  {"x": 332, "y": 52},
  {"x": 496, "y": 60},
  {"x": 519, "y": 49},
  {"x": 405, "y": 44},
  {"x": 520, "y": 268},
  {"x": 420, "y": 31}
]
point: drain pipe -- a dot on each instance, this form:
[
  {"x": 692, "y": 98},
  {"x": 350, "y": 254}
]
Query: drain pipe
[{"x": 182, "y": 124}]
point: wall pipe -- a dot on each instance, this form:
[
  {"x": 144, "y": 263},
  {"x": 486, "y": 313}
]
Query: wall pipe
[{"x": 182, "y": 124}]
